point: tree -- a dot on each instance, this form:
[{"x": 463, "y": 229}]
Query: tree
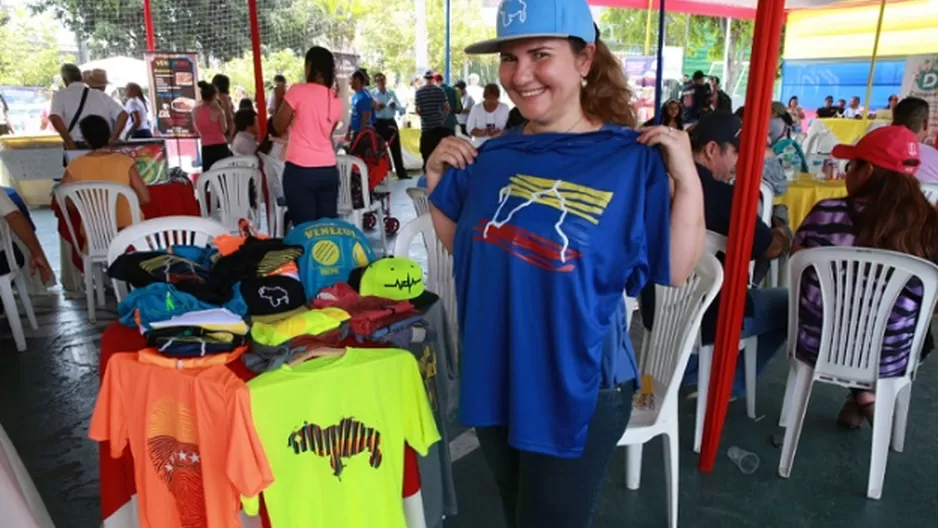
[
  {"x": 387, "y": 42},
  {"x": 626, "y": 28},
  {"x": 241, "y": 69},
  {"x": 30, "y": 54},
  {"x": 216, "y": 30}
]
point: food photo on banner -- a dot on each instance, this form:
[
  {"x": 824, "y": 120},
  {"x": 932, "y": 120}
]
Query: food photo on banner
[{"x": 173, "y": 78}]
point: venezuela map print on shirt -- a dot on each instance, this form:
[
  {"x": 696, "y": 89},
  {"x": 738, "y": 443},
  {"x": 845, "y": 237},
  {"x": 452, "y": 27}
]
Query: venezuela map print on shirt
[
  {"x": 337, "y": 442},
  {"x": 576, "y": 209},
  {"x": 173, "y": 449}
]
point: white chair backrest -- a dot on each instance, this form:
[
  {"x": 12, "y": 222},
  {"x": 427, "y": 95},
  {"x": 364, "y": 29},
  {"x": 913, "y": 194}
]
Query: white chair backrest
[
  {"x": 345, "y": 164},
  {"x": 96, "y": 203},
  {"x": 766, "y": 202},
  {"x": 6, "y": 245},
  {"x": 273, "y": 169},
  {"x": 716, "y": 245},
  {"x": 859, "y": 288},
  {"x": 421, "y": 199},
  {"x": 439, "y": 264},
  {"x": 930, "y": 190},
  {"x": 665, "y": 352},
  {"x": 237, "y": 161},
  {"x": 226, "y": 195},
  {"x": 162, "y": 233}
]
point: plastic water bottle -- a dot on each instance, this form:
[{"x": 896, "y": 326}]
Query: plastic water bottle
[{"x": 746, "y": 461}]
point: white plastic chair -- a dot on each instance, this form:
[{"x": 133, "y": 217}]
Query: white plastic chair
[
  {"x": 859, "y": 288},
  {"x": 276, "y": 221},
  {"x": 162, "y": 233},
  {"x": 716, "y": 244},
  {"x": 421, "y": 199},
  {"x": 930, "y": 190},
  {"x": 347, "y": 211},
  {"x": 96, "y": 203},
  {"x": 15, "y": 276},
  {"x": 664, "y": 354},
  {"x": 250, "y": 162},
  {"x": 440, "y": 267},
  {"x": 766, "y": 203},
  {"x": 225, "y": 194}
]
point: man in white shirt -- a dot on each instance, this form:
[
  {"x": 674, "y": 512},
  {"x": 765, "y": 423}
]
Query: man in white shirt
[
  {"x": 21, "y": 227},
  {"x": 387, "y": 108},
  {"x": 912, "y": 113},
  {"x": 854, "y": 111},
  {"x": 67, "y": 102}
]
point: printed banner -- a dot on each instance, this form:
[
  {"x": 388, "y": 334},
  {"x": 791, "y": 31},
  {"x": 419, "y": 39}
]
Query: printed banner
[
  {"x": 173, "y": 93},
  {"x": 921, "y": 80}
]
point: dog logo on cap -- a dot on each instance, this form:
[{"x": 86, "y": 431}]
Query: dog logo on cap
[
  {"x": 275, "y": 295},
  {"x": 511, "y": 10}
]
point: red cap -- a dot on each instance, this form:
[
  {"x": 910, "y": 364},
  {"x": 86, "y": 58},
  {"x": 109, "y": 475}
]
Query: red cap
[
  {"x": 437, "y": 77},
  {"x": 892, "y": 148}
]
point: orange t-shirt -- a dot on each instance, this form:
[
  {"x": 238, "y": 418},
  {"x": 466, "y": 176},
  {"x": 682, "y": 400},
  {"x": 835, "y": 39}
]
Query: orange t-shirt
[{"x": 192, "y": 437}]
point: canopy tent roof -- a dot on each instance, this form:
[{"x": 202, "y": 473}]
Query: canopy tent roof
[{"x": 744, "y": 9}]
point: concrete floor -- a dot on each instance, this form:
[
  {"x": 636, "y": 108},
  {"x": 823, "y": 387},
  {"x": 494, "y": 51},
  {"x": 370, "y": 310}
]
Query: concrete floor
[{"x": 49, "y": 391}]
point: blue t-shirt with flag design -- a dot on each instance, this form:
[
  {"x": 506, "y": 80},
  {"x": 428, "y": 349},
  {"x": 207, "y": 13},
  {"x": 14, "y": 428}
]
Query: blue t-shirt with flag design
[{"x": 551, "y": 229}]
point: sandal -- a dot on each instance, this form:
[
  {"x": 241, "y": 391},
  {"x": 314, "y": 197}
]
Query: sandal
[
  {"x": 850, "y": 416},
  {"x": 866, "y": 405}
]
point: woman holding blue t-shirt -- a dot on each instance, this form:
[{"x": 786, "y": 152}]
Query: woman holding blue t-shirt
[{"x": 549, "y": 224}]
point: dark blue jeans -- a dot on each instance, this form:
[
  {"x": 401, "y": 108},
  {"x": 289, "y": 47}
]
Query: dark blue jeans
[
  {"x": 311, "y": 192},
  {"x": 769, "y": 321},
  {"x": 539, "y": 490}
]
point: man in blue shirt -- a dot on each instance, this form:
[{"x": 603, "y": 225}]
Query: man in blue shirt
[{"x": 387, "y": 107}]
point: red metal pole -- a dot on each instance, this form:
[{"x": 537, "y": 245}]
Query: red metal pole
[
  {"x": 148, "y": 24},
  {"x": 258, "y": 70},
  {"x": 766, "y": 40}
]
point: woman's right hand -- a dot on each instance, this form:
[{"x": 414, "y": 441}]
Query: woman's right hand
[{"x": 452, "y": 151}]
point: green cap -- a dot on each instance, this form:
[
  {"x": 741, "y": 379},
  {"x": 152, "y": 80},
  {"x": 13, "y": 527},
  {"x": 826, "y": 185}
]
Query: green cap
[{"x": 395, "y": 278}]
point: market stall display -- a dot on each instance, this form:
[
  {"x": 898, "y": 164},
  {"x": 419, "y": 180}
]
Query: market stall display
[{"x": 202, "y": 321}]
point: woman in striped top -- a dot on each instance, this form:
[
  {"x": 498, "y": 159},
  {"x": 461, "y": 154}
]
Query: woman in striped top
[{"x": 884, "y": 209}]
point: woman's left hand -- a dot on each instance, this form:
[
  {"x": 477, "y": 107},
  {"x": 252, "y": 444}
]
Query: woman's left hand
[{"x": 675, "y": 146}]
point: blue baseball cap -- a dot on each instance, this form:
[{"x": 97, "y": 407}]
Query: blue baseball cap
[{"x": 521, "y": 19}]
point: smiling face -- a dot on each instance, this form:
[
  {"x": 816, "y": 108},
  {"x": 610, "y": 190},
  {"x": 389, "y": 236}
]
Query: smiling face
[{"x": 543, "y": 78}]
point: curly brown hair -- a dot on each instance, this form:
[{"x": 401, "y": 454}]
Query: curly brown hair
[{"x": 606, "y": 96}]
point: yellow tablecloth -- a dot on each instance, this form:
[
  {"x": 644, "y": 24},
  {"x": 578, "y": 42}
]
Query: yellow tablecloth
[
  {"x": 804, "y": 193},
  {"x": 850, "y": 130},
  {"x": 410, "y": 140}
]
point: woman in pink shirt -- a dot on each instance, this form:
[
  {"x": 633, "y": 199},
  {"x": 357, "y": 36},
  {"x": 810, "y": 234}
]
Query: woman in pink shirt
[
  {"x": 311, "y": 111},
  {"x": 212, "y": 126}
]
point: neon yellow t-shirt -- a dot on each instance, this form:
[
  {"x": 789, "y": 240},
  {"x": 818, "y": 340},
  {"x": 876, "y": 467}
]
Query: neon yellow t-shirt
[{"x": 334, "y": 429}]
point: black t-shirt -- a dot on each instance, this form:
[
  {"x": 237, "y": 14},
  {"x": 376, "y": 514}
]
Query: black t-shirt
[
  {"x": 823, "y": 113},
  {"x": 718, "y": 202}
]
